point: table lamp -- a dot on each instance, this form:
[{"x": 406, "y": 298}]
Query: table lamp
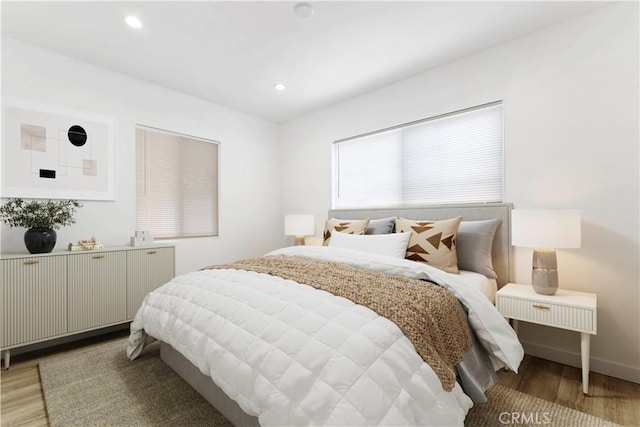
[
  {"x": 545, "y": 230},
  {"x": 299, "y": 225}
]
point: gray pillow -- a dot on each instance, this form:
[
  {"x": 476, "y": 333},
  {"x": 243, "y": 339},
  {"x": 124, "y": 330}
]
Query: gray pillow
[
  {"x": 381, "y": 226},
  {"x": 475, "y": 246}
]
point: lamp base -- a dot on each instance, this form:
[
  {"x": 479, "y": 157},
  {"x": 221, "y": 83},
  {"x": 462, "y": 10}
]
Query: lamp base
[
  {"x": 299, "y": 241},
  {"x": 544, "y": 277}
]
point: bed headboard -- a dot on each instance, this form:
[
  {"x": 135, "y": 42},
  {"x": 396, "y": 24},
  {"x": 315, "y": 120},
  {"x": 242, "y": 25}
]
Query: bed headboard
[{"x": 474, "y": 212}]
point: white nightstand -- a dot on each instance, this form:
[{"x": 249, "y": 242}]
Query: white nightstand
[{"x": 575, "y": 311}]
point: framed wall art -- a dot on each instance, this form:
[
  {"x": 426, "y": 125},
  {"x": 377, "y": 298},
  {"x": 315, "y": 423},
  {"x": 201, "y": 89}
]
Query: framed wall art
[{"x": 56, "y": 153}]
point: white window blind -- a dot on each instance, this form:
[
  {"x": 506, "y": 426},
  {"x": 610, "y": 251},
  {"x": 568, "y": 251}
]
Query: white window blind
[
  {"x": 454, "y": 158},
  {"x": 176, "y": 184}
]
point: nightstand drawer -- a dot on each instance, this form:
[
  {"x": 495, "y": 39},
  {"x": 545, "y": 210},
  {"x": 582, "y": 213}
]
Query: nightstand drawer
[{"x": 544, "y": 313}]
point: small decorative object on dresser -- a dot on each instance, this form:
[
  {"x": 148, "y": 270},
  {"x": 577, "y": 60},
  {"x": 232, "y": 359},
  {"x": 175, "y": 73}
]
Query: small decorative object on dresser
[
  {"x": 574, "y": 311},
  {"x": 86, "y": 245},
  {"x": 41, "y": 218},
  {"x": 545, "y": 230},
  {"x": 141, "y": 238}
]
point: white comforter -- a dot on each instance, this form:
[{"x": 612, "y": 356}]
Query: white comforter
[{"x": 295, "y": 355}]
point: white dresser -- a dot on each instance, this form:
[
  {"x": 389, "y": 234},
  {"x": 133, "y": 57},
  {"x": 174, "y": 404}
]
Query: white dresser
[
  {"x": 574, "y": 311},
  {"x": 47, "y": 296}
]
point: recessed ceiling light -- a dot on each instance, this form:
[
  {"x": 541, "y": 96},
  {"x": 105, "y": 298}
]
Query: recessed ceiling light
[
  {"x": 279, "y": 86},
  {"x": 133, "y": 21},
  {"x": 303, "y": 10}
]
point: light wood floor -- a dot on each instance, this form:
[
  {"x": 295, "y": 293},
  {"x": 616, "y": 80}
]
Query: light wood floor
[{"x": 22, "y": 403}]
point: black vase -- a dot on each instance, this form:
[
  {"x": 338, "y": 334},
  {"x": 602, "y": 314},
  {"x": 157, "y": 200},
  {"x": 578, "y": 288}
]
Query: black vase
[{"x": 40, "y": 240}]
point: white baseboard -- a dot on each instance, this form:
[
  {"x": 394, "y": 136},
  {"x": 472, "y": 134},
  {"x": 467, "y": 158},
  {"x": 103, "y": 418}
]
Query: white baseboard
[{"x": 605, "y": 367}]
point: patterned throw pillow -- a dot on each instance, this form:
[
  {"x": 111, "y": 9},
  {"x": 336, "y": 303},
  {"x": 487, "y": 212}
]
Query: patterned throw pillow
[
  {"x": 344, "y": 226},
  {"x": 432, "y": 242}
]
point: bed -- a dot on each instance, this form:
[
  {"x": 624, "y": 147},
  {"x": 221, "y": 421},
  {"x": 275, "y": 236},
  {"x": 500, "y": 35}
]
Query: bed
[{"x": 265, "y": 350}]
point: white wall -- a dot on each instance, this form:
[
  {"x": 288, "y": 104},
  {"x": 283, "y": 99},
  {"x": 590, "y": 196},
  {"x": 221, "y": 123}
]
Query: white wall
[
  {"x": 571, "y": 141},
  {"x": 250, "y": 194}
]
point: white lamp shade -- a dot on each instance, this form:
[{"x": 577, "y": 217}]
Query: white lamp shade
[
  {"x": 299, "y": 225},
  {"x": 546, "y": 228}
]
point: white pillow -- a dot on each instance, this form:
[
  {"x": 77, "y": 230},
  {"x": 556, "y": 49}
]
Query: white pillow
[{"x": 393, "y": 245}]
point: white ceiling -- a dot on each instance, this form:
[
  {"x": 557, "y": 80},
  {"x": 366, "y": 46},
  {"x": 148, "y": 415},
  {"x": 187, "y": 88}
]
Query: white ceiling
[{"x": 233, "y": 52}]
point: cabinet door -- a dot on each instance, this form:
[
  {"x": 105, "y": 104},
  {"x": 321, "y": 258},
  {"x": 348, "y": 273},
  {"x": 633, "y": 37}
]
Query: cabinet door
[
  {"x": 34, "y": 299},
  {"x": 147, "y": 269},
  {"x": 97, "y": 289}
]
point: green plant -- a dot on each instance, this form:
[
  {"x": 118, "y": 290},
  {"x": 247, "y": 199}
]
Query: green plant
[{"x": 39, "y": 213}]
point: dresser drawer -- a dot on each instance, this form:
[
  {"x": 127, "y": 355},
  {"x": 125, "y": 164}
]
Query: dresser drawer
[{"x": 545, "y": 313}]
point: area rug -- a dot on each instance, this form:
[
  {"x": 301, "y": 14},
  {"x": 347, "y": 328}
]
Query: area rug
[
  {"x": 508, "y": 407},
  {"x": 98, "y": 386}
]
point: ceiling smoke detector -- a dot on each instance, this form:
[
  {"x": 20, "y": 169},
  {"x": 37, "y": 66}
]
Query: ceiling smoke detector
[{"x": 303, "y": 10}]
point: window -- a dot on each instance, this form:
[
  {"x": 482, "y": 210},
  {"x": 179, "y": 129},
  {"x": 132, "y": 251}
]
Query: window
[
  {"x": 176, "y": 184},
  {"x": 453, "y": 158}
]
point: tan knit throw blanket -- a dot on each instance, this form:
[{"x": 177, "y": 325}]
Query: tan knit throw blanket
[{"x": 431, "y": 317}]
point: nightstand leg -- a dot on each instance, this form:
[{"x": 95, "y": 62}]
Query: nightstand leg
[
  {"x": 514, "y": 325},
  {"x": 6, "y": 355},
  {"x": 585, "y": 344}
]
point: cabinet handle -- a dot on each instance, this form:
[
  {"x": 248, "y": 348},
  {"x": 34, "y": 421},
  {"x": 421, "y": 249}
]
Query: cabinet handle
[
  {"x": 31, "y": 262},
  {"x": 152, "y": 253},
  {"x": 541, "y": 307},
  {"x": 98, "y": 256}
]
